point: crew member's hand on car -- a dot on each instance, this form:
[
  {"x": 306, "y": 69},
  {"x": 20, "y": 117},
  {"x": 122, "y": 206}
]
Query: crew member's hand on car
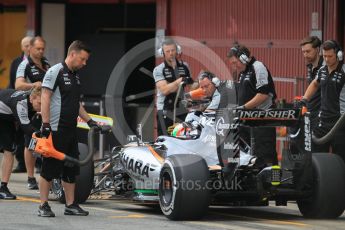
[
  {"x": 240, "y": 107},
  {"x": 91, "y": 123},
  {"x": 301, "y": 103}
]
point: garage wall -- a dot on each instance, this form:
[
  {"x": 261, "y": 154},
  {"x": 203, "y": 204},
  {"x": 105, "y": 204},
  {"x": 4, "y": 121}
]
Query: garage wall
[
  {"x": 53, "y": 31},
  {"x": 272, "y": 30},
  {"x": 13, "y": 29}
]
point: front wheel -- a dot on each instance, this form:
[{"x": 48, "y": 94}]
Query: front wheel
[
  {"x": 183, "y": 191},
  {"x": 328, "y": 195}
]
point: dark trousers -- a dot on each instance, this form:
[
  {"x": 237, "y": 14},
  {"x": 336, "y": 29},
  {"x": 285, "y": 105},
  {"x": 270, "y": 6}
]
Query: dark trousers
[
  {"x": 314, "y": 119},
  {"x": 264, "y": 142},
  {"x": 19, "y": 152}
]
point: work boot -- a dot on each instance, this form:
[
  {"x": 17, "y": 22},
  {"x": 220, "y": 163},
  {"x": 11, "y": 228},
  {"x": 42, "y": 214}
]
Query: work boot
[
  {"x": 44, "y": 210},
  {"x": 6, "y": 194},
  {"x": 32, "y": 183},
  {"x": 75, "y": 209}
]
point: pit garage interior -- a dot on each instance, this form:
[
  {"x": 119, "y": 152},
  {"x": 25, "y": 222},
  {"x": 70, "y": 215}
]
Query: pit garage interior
[{"x": 272, "y": 30}]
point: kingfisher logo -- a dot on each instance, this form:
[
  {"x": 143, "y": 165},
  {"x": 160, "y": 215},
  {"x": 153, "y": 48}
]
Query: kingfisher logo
[{"x": 276, "y": 114}]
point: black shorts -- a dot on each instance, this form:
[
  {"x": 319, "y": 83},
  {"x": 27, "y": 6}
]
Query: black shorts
[
  {"x": 64, "y": 141},
  {"x": 7, "y": 135}
]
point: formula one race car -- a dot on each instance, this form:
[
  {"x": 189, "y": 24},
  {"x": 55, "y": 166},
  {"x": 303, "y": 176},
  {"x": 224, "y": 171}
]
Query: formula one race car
[{"x": 187, "y": 173}]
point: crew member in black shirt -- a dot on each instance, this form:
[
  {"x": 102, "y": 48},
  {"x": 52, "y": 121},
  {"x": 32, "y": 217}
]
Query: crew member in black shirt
[
  {"x": 331, "y": 79},
  {"x": 30, "y": 73},
  {"x": 60, "y": 109},
  {"x": 25, "y": 46},
  {"x": 311, "y": 52},
  {"x": 15, "y": 106},
  {"x": 168, "y": 76},
  {"x": 255, "y": 90},
  {"x": 19, "y": 152}
]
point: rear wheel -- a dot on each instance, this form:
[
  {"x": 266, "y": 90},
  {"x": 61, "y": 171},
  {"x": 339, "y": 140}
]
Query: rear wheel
[
  {"x": 183, "y": 192},
  {"x": 84, "y": 182},
  {"x": 328, "y": 195}
]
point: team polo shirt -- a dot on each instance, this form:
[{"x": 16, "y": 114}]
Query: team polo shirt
[
  {"x": 165, "y": 72},
  {"x": 332, "y": 94},
  {"x": 65, "y": 100},
  {"x": 253, "y": 80},
  {"x": 30, "y": 71},
  {"x": 315, "y": 101},
  {"x": 15, "y": 105}
]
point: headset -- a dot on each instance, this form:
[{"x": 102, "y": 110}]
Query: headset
[
  {"x": 337, "y": 49},
  {"x": 160, "y": 51},
  {"x": 213, "y": 78},
  {"x": 241, "y": 55}
]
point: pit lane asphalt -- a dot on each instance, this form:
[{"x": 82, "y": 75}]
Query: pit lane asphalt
[{"x": 116, "y": 213}]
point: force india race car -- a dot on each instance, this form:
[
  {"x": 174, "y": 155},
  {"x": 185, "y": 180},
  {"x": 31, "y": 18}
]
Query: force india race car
[{"x": 214, "y": 166}]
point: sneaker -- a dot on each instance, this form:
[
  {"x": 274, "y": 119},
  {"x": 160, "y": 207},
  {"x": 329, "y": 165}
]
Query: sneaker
[
  {"x": 6, "y": 194},
  {"x": 76, "y": 210},
  {"x": 32, "y": 183},
  {"x": 44, "y": 210}
]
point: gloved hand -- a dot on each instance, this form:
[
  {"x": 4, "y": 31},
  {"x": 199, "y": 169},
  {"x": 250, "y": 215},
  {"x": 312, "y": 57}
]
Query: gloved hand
[
  {"x": 240, "y": 107},
  {"x": 187, "y": 80},
  {"x": 91, "y": 123},
  {"x": 301, "y": 103},
  {"x": 45, "y": 130}
]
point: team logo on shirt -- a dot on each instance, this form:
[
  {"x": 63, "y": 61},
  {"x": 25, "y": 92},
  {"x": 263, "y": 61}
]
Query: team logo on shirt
[
  {"x": 337, "y": 77},
  {"x": 67, "y": 81},
  {"x": 167, "y": 73},
  {"x": 181, "y": 71}
]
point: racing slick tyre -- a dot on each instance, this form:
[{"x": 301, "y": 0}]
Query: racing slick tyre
[
  {"x": 183, "y": 191},
  {"x": 84, "y": 182},
  {"x": 328, "y": 188}
]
